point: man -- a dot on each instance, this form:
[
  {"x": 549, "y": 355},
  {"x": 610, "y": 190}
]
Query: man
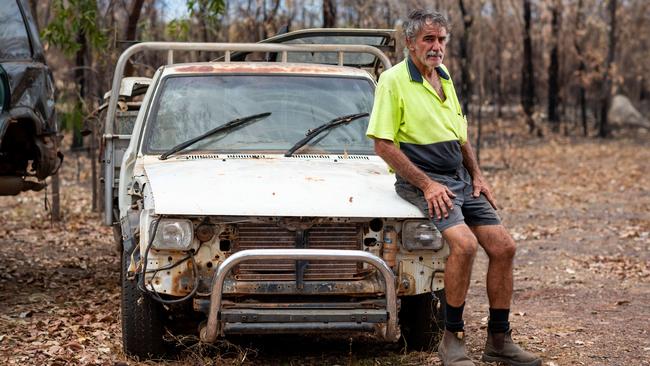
[{"x": 419, "y": 130}]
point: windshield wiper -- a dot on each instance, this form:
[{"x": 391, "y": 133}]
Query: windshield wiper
[
  {"x": 224, "y": 127},
  {"x": 324, "y": 127}
]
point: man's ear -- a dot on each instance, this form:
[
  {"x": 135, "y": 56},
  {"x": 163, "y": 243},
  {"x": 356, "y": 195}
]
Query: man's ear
[{"x": 409, "y": 44}]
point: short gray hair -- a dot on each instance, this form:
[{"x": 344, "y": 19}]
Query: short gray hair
[{"x": 418, "y": 18}]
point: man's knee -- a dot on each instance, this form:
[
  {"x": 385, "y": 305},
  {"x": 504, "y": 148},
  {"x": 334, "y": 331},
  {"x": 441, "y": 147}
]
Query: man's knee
[
  {"x": 504, "y": 249},
  {"x": 462, "y": 243}
]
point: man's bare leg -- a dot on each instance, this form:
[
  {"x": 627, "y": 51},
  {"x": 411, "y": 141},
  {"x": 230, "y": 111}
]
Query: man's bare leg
[
  {"x": 500, "y": 249},
  {"x": 458, "y": 269}
]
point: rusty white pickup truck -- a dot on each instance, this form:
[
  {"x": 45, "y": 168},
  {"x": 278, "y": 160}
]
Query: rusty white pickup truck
[{"x": 247, "y": 198}]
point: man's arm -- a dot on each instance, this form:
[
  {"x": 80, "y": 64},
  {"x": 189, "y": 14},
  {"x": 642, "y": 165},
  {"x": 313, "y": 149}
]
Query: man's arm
[
  {"x": 438, "y": 196},
  {"x": 479, "y": 183}
]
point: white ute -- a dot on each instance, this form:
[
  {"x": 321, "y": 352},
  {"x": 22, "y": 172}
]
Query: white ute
[{"x": 248, "y": 199}]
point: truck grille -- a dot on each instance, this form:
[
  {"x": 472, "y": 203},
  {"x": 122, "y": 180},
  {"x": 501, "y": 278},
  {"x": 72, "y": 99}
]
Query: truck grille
[{"x": 270, "y": 236}]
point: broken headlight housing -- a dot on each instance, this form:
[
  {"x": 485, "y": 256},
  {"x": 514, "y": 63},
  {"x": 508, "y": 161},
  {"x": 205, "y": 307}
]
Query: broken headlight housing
[
  {"x": 421, "y": 235},
  {"x": 173, "y": 234}
]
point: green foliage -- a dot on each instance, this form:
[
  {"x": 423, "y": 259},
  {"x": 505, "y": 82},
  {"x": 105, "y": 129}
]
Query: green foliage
[
  {"x": 178, "y": 29},
  {"x": 210, "y": 9},
  {"x": 71, "y": 18}
]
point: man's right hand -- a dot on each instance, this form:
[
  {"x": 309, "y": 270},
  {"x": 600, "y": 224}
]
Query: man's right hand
[{"x": 439, "y": 198}]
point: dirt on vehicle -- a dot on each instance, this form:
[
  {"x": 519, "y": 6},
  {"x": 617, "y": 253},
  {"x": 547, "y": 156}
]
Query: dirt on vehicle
[{"x": 578, "y": 209}]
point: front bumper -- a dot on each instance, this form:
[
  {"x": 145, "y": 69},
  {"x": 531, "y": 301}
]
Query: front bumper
[{"x": 300, "y": 320}]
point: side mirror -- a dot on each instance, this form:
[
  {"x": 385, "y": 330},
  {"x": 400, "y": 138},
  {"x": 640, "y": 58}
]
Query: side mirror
[{"x": 5, "y": 93}]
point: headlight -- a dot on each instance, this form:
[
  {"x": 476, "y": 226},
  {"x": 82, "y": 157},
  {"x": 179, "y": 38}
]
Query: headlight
[
  {"x": 173, "y": 234},
  {"x": 418, "y": 235}
]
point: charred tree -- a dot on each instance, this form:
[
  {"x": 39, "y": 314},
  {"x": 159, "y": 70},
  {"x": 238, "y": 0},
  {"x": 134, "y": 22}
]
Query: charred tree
[
  {"x": 465, "y": 61},
  {"x": 603, "y": 127},
  {"x": 329, "y": 13},
  {"x": 82, "y": 82},
  {"x": 582, "y": 93},
  {"x": 527, "y": 73},
  {"x": 33, "y": 8},
  {"x": 498, "y": 89},
  {"x": 132, "y": 28},
  {"x": 554, "y": 68}
]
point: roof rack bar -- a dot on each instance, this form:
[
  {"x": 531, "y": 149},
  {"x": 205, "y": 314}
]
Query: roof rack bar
[
  {"x": 170, "y": 57},
  {"x": 341, "y": 58}
]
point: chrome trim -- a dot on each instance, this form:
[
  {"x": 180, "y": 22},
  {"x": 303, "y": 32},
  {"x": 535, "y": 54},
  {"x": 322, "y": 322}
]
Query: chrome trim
[{"x": 211, "y": 330}]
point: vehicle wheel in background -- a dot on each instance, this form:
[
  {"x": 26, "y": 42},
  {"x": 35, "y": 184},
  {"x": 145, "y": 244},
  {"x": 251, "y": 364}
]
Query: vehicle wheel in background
[{"x": 422, "y": 320}]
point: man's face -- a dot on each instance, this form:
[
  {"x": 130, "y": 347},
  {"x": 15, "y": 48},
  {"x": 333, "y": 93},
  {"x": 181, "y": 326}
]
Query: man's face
[{"x": 427, "y": 48}]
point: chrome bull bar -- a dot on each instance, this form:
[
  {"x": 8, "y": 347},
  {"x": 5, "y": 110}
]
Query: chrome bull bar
[{"x": 212, "y": 329}]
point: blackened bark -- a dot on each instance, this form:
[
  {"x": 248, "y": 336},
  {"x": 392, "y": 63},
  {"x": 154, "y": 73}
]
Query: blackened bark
[
  {"x": 56, "y": 199},
  {"x": 603, "y": 128},
  {"x": 527, "y": 72},
  {"x": 582, "y": 100},
  {"x": 33, "y": 8},
  {"x": 132, "y": 29},
  {"x": 497, "y": 84},
  {"x": 553, "y": 69},
  {"x": 329, "y": 13},
  {"x": 82, "y": 82},
  {"x": 466, "y": 82},
  {"x": 498, "y": 89}
]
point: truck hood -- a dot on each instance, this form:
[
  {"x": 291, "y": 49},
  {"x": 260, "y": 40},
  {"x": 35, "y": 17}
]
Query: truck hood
[{"x": 357, "y": 186}]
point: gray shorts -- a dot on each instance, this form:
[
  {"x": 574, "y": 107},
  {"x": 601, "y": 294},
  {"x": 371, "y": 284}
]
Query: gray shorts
[{"x": 473, "y": 211}]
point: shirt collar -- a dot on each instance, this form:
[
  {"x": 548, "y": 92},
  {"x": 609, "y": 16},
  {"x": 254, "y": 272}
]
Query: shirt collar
[{"x": 415, "y": 74}]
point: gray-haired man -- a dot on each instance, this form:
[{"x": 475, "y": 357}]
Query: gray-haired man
[{"x": 419, "y": 130}]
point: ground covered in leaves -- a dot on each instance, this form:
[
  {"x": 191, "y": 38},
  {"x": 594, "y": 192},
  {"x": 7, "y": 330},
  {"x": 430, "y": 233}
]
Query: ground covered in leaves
[{"x": 578, "y": 209}]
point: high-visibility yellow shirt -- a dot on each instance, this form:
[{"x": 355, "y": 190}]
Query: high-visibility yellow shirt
[{"x": 409, "y": 112}]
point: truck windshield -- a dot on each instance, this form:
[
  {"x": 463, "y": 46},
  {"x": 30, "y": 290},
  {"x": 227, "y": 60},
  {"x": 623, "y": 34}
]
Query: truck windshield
[{"x": 187, "y": 106}]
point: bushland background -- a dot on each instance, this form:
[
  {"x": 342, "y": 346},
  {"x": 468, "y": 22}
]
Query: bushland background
[{"x": 557, "y": 97}]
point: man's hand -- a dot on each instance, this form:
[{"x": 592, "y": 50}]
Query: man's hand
[
  {"x": 438, "y": 198},
  {"x": 481, "y": 186}
]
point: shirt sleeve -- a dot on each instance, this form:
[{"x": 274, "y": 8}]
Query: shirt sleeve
[{"x": 386, "y": 113}]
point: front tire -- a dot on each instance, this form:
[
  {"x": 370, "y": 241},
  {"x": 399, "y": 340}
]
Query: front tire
[
  {"x": 142, "y": 320},
  {"x": 421, "y": 319}
]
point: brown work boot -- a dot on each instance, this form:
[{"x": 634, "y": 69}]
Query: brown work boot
[
  {"x": 451, "y": 350},
  {"x": 499, "y": 347}
]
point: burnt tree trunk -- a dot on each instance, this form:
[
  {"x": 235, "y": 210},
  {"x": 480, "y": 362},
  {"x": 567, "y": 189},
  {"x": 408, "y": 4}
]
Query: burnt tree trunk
[
  {"x": 329, "y": 13},
  {"x": 497, "y": 85},
  {"x": 603, "y": 127},
  {"x": 33, "y": 8},
  {"x": 82, "y": 82},
  {"x": 554, "y": 68},
  {"x": 527, "y": 72},
  {"x": 56, "y": 199},
  {"x": 465, "y": 61},
  {"x": 582, "y": 100},
  {"x": 132, "y": 29}
]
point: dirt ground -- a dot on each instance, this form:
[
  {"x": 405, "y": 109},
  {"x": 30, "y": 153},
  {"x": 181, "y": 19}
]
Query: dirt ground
[{"x": 577, "y": 208}]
